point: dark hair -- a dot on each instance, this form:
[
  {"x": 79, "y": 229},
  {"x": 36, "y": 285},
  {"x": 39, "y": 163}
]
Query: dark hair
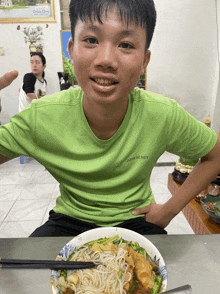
[
  {"x": 142, "y": 12},
  {"x": 42, "y": 57}
]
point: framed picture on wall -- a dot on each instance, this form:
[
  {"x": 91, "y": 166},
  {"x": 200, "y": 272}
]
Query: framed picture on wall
[
  {"x": 65, "y": 35},
  {"x": 27, "y": 11}
]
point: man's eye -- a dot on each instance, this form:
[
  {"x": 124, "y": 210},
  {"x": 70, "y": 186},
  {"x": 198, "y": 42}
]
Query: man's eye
[
  {"x": 126, "y": 46},
  {"x": 90, "y": 41}
]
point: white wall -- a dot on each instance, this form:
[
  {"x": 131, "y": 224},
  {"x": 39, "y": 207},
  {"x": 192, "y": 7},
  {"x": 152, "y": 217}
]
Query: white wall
[
  {"x": 17, "y": 56},
  {"x": 184, "y": 63},
  {"x": 215, "y": 113}
]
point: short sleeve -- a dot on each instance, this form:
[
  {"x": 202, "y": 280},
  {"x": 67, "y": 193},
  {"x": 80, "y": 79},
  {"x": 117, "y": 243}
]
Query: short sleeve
[
  {"x": 186, "y": 136},
  {"x": 18, "y": 136},
  {"x": 28, "y": 83}
]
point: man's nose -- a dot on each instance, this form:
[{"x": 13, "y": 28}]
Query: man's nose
[{"x": 107, "y": 57}]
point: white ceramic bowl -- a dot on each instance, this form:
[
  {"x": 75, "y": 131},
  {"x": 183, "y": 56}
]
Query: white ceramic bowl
[{"x": 95, "y": 234}]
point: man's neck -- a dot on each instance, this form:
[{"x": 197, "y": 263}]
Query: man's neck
[{"x": 104, "y": 120}]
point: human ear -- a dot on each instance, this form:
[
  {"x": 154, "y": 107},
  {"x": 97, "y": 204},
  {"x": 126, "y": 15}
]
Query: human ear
[
  {"x": 146, "y": 61},
  {"x": 70, "y": 49}
]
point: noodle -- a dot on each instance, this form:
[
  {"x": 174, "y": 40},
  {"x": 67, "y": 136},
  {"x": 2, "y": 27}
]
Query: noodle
[
  {"x": 114, "y": 273},
  {"x": 103, "y": 279}
]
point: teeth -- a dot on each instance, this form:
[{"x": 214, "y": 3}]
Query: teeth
[{"x": 104, "y": 82}]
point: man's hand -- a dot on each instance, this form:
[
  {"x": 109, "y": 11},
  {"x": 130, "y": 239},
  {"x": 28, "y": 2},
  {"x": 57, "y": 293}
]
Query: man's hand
[
  {"x": 8, "y": 78},
  {"x": 155, "y": 213},
  {"x": 31, "y": 96}
]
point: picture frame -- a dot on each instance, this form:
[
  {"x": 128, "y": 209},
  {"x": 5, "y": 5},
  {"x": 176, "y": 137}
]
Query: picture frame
[
  {"x": 28, "y": 11},
  {"x": 68, "y": 70},
  {"x": 65, "y": 35}
]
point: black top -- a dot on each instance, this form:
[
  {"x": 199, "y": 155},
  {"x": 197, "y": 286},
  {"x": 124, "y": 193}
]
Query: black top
[{"x": 29, "y": 83}]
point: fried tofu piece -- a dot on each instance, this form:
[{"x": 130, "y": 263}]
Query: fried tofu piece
[
  {"x": 144, "y": 272},
  {"x": 143, "y": 269},
  {"x": 73, "y": 279},
  {"x": 108, "y": 247}
]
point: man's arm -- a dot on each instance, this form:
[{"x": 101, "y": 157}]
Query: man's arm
[
  {"x": 8, "y": 78},
  {"x": 29, "y": 86},
  {"x": 202, "y": 175},
  {"x": 5, "y": 81}
]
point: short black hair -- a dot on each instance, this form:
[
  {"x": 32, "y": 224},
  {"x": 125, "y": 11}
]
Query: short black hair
[
  {"x": 42, "y": 57},
  {"x": 142, "y": 12}
]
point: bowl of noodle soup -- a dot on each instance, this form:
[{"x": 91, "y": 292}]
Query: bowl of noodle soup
[{"x": 112, "y": 275}]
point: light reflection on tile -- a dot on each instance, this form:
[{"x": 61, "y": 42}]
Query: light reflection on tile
[
  {"x": 42, "y": 177},
  {"x": 158, "y": 186},
  {"x": 20, "y": 229},
  {"x": 179, "y": 225},
  {"x": 10, "y": 192},
  {"x": 37, "y": 191},
  {"x": 160, "y": 173},
  {"x": 161, "y": 198},
  {"x": 26, "y": 210},
  {"x": 11, "y": 165},
  {"x": 56, "y": 192},
  {"x": 51, "y": 205},
  {"x": 5, "y": 207},
  {"x": 14, "y": 177}
]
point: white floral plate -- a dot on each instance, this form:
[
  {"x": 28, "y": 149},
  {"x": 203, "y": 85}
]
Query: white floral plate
[{"x": 109, "y": 232}]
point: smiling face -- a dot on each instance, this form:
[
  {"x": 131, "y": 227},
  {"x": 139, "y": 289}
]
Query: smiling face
[
  {"x": 37, "y": 66},
  {"x": 108, "y": 58}
]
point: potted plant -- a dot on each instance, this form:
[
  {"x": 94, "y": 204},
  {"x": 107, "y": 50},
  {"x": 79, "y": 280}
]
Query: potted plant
[
  {"x": 33, "y": 36},
  {"x": 68, "y": 69},
  {"x": 39, "y": 47}
]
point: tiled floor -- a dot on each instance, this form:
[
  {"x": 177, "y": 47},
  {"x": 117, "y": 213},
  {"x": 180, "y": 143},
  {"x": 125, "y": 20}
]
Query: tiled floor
[{"x": 28, "y": 192}]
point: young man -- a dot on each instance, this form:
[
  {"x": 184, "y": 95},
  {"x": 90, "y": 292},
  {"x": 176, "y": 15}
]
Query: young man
[
  {"x": 102, "y": 140},
  {"x": 34, "y": 85}
]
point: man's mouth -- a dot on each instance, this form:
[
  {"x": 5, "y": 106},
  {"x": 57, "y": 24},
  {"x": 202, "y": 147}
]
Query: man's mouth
[{"x": 104, "y": 82}]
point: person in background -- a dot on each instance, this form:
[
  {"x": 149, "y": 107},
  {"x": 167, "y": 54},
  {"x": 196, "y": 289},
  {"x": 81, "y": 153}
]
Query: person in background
[{"x": 34, "y": 85}]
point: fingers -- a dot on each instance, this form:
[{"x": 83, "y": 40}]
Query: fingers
[
  {"x": 8, "y": 78},
  {"x": 142, "y": 210}
]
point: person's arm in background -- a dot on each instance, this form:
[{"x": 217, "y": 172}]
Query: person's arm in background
[
  {"x": 28, "y": 86},
  {"x": 5, "y": 81},
  {"x": 31, "y": 96}
]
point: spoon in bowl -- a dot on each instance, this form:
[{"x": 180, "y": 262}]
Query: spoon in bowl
[{"x": 186, "y": 289}]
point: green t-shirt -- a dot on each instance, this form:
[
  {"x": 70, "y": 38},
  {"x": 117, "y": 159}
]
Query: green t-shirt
[{"x": 102, "y": 181}]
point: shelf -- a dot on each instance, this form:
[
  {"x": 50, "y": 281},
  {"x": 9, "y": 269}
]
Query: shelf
[{"x": 199, "y": 221}]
